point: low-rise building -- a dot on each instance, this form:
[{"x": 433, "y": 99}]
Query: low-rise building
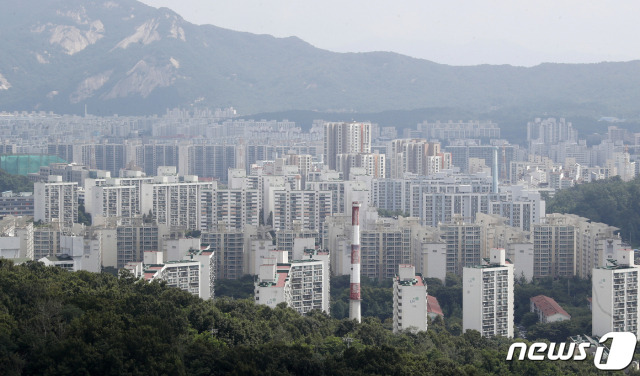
[
  {"x": 17, "y": 204},
  {"x": 433, "y": 308},
  {"x": 547, "y": 309}
]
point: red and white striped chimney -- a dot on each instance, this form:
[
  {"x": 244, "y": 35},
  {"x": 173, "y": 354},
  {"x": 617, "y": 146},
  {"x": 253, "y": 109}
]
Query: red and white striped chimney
[{"x": 354, "y": 296}]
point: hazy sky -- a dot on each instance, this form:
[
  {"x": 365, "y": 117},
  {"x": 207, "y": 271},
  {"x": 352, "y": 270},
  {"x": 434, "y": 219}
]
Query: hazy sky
[{"x": 458, "y": 32}]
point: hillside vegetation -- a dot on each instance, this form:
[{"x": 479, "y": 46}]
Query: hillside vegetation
[
  {"x": 611, "y": 201},
  {"x": 15, "y": 183},
  {"x": 56, "y": 322}
]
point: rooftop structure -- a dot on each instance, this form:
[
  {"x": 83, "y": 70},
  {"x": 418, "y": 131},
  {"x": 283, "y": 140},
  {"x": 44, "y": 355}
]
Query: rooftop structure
[{"x": 547, "y": 309}]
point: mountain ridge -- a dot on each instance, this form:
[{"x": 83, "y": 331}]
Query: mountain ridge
[{"x": 129, "y": 58}]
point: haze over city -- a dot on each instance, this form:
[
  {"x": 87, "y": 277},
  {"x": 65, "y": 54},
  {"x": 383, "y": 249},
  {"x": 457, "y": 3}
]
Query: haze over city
[
  {"x": 523, "y": 33},
  {"x": 399, "y": 189}
]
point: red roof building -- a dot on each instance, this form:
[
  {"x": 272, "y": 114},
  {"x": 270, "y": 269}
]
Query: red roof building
[
  {"x": 547, "y": 309},
  {"x": 433, "y": 307}
]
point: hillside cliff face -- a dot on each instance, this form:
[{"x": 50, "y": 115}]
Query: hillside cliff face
[{"x": 121, "y": 56}]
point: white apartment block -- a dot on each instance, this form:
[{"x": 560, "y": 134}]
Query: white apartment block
[
  {"x": 615, "y": 289},
  {"x": 114, "y": 198},
  {"x": 416, "y": 156},
  {"x": 409, "y": 300},
  {"x": 177, "y": 204},
  {"x": 310, "y": 282},
  {"x": 372, "y": 164},
  {"x": 302, "y": 284},
  {"x": 56, "y": 201},
  {"x": 236, "y": 208},
  {"x": 522, "y": 256},
  {"x": 113, "y": 201},
  {"x": 46, "y": 240},
  {"x": 273, "y": 285},
  {"x": 385, "y": 246},
  {"x": 131, "y": 242},
  {"x": 337, "y": 237},
  {"x": 211, "y": 161},
  {"x": 463, "y": 245},
  {"x": 487, "y": 296},
  {"x": 260, "y": 248},
  {"x": 568, "y": 245},
  {"x": 554, "y": 249},
  {"x": 16, "y": 238},
  {"x": 440, "y": 197},
  {"x": 286, "y": 240},
  {"x": 175, "y": 248},
  {"x": 310, "y": 207},
  {"x": 434, "y": 260},
  {"x": 229, "y": 247},
  {"x": 459, "y": 130},
  {"x": 551, "y": 131},
  {"x": 194, "y": 274},
  {"x": 79, "y": 251},
  {"x": 345, "y": 138}
]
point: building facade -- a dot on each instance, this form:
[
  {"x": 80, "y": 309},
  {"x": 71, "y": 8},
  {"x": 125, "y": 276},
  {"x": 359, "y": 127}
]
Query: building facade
[
  {"x": 487, "y": 303},
  {"x": 409, "y": 300}
]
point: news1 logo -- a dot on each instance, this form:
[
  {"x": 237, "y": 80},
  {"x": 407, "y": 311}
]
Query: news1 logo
[{"x": 620, "y": 355}]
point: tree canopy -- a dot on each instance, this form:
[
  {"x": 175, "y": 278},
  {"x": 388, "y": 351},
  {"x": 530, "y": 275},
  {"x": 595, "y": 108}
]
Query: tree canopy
[
  {"x": 57, "y": 322},
  {"x": 16, "y": 183},
  {"x": 612, "y": 201}
]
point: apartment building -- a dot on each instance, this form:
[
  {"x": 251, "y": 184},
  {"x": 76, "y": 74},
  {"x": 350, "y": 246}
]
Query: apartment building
[
  {"x": 211, "y": 161},
  {"x": 228, "y": 245},
  {"x": 487, "y": 296},
  {"x": 385, "y": 246},
  {"x": 345, "y": 138},
  {"x": 16, "y": 238},
  {"x": 302, "y": 284},
  {"x": 194, "y": 274},
  {"x": 56, "y": 201},
  {"x": 615, "y": 289},
  {"x": 409, "y": 300},
  {"x": 177, "y": 203},
  {"x": 16, "y": 204},
  {"x": 310, "y": 207}
]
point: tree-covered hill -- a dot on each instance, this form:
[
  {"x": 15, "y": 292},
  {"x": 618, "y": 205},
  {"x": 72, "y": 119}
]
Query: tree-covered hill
[
  {"x": 611, "y": 201},
  {"x": 16, "y": 183},
  {"x": 58, "y": 322}
]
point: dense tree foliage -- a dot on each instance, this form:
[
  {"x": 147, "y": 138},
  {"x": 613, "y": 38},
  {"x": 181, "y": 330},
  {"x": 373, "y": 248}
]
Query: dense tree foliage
[
  {"x": 58, "y": 322},
  {"x": 570, "y": 293},
  {"x": 377, "y": 298},
  {"x": 83, "y": 216},
  {"x": 16, "y": 183},
  {"x": 392, "y": 213},
  {"x": 241, "y": 288},
  {"x": 611, "y": 201}
]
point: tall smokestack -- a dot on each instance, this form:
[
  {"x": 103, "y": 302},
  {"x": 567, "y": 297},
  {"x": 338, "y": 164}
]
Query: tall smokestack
[
  {"x": 354, "y": 296},
  {"x": 495, "y": 170}
]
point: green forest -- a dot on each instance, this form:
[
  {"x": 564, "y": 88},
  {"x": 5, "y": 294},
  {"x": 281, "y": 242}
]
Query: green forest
[
  {"x": 57, "y": 322},
  {"x": 611, "y": 201},
  {"x": 16, "y": 183}
]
